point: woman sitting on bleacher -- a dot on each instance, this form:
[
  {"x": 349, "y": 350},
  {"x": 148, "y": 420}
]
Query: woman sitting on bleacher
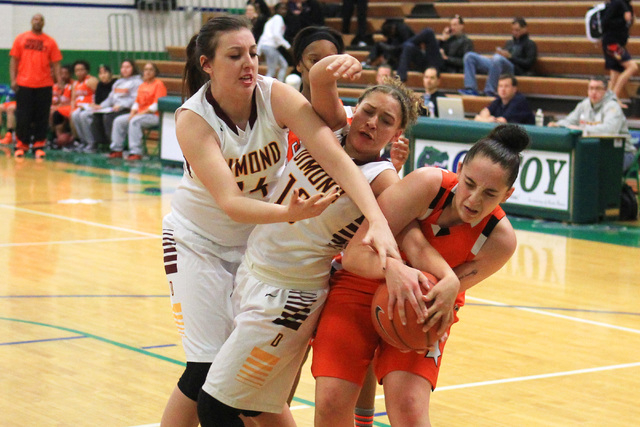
[{"x": 144, "y": 114}]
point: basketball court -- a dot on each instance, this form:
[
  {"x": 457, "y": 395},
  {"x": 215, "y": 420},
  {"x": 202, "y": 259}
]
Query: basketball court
[{"x": 87, "y": 335}]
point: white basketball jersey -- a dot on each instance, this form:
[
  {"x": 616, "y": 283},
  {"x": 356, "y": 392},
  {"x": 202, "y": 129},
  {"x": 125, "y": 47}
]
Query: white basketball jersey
[
  {"x": 255, "y": 155},
  {"x": 298, "y": 255}
]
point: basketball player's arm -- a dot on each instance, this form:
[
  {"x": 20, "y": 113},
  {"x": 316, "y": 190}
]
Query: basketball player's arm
[
  {"x": 495, "y": 253},
  {"x": 201, "y": 149},
  {"x": 292, "y": 110},
  {"x": 325, "y": 99},
  {"x": 425, "y": 257},
  {"x": 323, "y": 79},
  {"x": 401, "y": 207}
]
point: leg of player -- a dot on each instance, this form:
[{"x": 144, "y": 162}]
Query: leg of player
[
  {"x": 335, "y": 400},
  {"x": 366, "y": 404},
  {"x": 267, "y": 419},
  {"x": 407, "y": 399},
  {"x": 630, "y": 68},
  {"x": 177, "y": 407}
]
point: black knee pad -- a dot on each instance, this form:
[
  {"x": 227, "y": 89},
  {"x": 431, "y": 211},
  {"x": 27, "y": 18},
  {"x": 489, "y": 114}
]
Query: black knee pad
[
  {"x": 213, "y": 413},
  {"x": 193, "y": 378}
]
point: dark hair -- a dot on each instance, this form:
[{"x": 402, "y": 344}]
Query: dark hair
[
  {"x": 408, "y": 100},
  {"x": 82, "y": 62},
  {"x": 505, "y": 76},
  {"x": 503, "y": 146},
  {"x": 133, "y": 65},
  {"x": 434, "y": 68},
  {"x": 156, "y": 70},
  {"x": 106, "y": 68},
  {"x": 459, "y": 18},
  {"x": 205, "y": 43},
  {"x": 68, "y": 67},
  {"x": 308, "y": 35},
  {"x": 603, "y": 79},
  {"x": 520, "y": 21}
]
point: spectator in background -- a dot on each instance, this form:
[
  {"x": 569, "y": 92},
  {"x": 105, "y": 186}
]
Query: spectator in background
[
  {"x": 302, "y": 14},
  {"x": 454, "y": 45},
  {"x": 383, "y": 72},
  {"x": 144, "y": 114},
  {"x": 105, "y": 83},
  {"x": 509, "y": 107},
  {"x": 94, "y": 125},
  {"x": 61, "y": 101},
  {"x": 33, "y": 67},
  {"x": 8, "y": 108},
  {"x": 395, "y": 32},
  {"x": 272, "y": 38},
  {"x": 418, "y": 53},
  {"x": 362, "y": 38},
  {"x": 82, "y": 94},
  {"x": 517, "y": 57},
  {"x": 258, "y": 13},
  {"x": 617, "y": 18},
  {"x": 600, "y": 114},
  {"x": 431, "y": 83}
]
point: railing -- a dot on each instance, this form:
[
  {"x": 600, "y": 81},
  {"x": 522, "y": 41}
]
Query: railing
[{"x": 157, "y": 24}]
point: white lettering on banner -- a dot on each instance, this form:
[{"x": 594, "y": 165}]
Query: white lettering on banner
[{"x": 543, "y": 180}]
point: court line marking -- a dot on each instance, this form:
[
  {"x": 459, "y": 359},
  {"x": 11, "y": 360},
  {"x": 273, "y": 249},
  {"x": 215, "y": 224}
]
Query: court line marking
[
  {"x": 557, "y": 315},
  {"x": 73, "y": 242},
  {"x": 79, "y": 221}
]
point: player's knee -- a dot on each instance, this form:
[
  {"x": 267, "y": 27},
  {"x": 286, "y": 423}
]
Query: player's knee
[
  {"x": 193, "y": 378},
  {"x": 410, "y": 411},
  {"x": 213, "y": 413}
]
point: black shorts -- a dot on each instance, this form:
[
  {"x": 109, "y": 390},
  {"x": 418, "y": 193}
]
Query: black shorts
[{"x": 615, "y": 54}]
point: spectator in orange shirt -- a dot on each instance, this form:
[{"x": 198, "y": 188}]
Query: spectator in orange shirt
[
  {"x": 35, "y": 61},
  {"x": 144, "y": 114},
  {"x": 62, "y": 91}
]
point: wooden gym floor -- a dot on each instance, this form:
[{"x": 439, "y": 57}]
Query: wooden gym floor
[{"x": 87, "y": 336}]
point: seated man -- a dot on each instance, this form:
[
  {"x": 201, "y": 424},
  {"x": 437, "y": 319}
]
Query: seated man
[
  {"x": 600, "y": 114},
  {"x": 418, "y": 53},
  {"x": 431, "y": 83},
  {"x": 454, "y": 46},
  {"x": 509, "y": 107},
  {"x": 517, "y": 57}
]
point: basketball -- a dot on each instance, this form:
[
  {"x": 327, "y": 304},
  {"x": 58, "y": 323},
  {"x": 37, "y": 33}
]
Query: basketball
[{"x": 409, "y": 337}]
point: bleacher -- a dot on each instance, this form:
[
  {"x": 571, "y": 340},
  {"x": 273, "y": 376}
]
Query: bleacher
[{"x": 565, "y": 56}]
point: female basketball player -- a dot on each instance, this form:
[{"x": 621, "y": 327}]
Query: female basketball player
[
  {"x": 283, "y": 280},
  {"x": 430, "y": 210},
  {"x": 232, "y": 134},
  {"x": 311, "y": 45}
]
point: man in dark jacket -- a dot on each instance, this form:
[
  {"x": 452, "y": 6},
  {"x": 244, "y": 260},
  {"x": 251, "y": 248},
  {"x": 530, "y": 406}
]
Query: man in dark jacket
[
  {"x": 509, "y": 107},
  {"x": 454, "y": 45},
  {"x": 517, "y": 57}
]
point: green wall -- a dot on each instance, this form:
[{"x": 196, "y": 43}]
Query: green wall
[{"x": 94, "y": 57}]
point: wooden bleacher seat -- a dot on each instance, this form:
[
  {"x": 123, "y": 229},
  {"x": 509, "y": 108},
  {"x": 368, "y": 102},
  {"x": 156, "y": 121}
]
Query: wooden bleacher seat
[
  {"x": 510, "y": 9},
  {"x": 537, "y": 26}
]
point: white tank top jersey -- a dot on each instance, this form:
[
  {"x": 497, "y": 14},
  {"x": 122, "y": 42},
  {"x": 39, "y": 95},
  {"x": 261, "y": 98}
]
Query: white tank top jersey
[
  {"x": 256, "y": 157},
  {"x": 298, "y": 255}
]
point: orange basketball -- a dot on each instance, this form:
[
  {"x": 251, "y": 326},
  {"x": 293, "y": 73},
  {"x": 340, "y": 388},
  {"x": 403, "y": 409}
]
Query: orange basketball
[{"x": 407, "y": 337}]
